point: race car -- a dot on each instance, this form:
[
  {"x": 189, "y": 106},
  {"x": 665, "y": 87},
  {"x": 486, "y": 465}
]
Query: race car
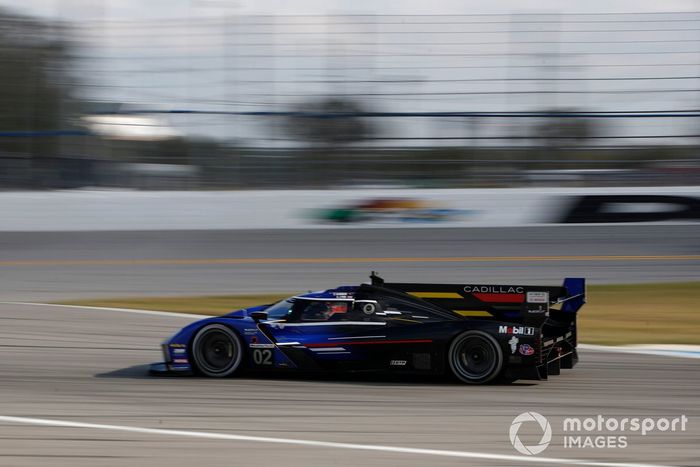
[{"x": 479, "y": 333}]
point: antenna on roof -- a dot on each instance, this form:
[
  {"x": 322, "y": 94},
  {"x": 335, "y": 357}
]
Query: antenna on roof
[{"x": 376, "y": 280}]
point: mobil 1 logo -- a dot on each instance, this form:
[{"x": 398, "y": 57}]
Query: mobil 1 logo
[{"x": 517, "y": 330}]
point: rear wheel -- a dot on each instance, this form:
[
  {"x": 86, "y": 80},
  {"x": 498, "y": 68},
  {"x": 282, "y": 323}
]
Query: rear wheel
[
  {"x": 475, "y": 357},
  {"x": 217, "y": 351}
]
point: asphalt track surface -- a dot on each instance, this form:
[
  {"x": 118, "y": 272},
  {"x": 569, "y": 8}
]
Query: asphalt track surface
[
  {"x": 88, "y": 367},
  {"x": 65, "y": 265}
]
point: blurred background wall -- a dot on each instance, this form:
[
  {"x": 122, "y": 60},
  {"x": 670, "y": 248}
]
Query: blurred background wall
[{"x": 215, "y": 98}]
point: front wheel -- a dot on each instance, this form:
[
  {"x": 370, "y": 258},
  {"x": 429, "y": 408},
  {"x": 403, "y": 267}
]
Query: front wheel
[
  {"x": 475, "y": 357},
  {"x": 217, "y": 351}
]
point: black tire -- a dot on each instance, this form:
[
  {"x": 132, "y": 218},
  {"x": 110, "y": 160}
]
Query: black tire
[
  {"x": 475, "y": 357},
  {"x": 216, "y": 351}
]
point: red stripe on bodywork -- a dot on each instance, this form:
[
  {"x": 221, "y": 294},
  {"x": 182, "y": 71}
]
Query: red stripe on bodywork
[
  {"x": 406, "y": 341},
  {"x": 500, "y": 297}
]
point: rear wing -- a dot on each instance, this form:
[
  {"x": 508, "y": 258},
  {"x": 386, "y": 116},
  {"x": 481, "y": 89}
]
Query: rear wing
[{"x": 508, "y": 302}]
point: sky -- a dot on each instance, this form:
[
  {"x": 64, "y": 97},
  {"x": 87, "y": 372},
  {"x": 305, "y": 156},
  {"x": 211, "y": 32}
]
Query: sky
[
  {"x": 214, "y": 55},
  {"x": 137, "y": 9}
]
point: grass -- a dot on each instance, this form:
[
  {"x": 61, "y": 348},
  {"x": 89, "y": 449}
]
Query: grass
[
  {"x": 614, "y": 315},
  {"x": 641, "y": 314}
]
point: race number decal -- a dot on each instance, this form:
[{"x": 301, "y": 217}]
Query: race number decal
[{"x": 262, "y": 357}]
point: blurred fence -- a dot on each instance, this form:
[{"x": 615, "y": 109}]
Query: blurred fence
[
  {"x": 350, "y": 167},
  {"x": 230, "y": 101}
]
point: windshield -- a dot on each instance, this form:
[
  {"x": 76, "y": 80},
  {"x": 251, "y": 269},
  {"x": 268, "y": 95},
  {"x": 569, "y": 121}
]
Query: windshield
[
  {"x": 280, "y": 309},
  {"x": 299, "y": 309},
  {"x": 322, "y": 310}
]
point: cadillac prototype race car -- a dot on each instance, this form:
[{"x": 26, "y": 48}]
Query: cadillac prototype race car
[{"x": 478, "y": 333}]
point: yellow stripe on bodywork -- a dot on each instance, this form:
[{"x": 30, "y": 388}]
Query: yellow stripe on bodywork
[
  {"x": 473, "y": 313},
  {"x": 436, "y": 294}
]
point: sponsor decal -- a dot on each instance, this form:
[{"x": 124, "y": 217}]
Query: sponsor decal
[
  {"x": 526, "y": 349},
  {"x": 398, "y": 363},
  {"x": 631, "y": 208},
  {"x": 537, "y": 311},
  {"x": 250, "y": 330},
  {"x": 513, "y": 342},
  {"x": 391, "y": 210},
  {"x": 536, "y": 302},
  {"x": 537, "y": 297},
  {"x": 177, "y": 346},
  {"x": 179, "y": 351},
  {"x": 262, "y": 346},
  {"x": 496, "y": 289},
  {"x": 518, "y": 330},
  {"x": 180, "y": 360}
]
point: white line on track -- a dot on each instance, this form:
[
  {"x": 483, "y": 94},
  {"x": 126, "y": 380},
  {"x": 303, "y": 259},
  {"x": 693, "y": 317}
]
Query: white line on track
[
  {"x": 321, "y": 444},
  {"x": 681, "y": 351},
  {"x": 122, "y": 310}
]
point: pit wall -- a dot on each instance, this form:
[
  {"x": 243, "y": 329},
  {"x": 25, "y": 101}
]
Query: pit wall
[{"x": 377, "y": 208}]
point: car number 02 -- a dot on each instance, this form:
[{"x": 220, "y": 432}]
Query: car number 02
[{"x": 262, "y": 356}]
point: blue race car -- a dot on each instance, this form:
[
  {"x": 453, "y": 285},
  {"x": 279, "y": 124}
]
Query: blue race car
[{"x": 478, "y": 333}]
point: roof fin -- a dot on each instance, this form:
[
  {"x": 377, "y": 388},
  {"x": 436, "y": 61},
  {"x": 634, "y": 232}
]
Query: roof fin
[{"x": 376, "y": 280}]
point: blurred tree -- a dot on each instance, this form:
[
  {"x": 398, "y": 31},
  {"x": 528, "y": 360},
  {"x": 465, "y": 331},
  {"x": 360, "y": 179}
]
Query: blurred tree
[
  {"x": 557, "y": 131},
  {"x": 35, "y": 87},
  {"x": 329, "y": 123}
]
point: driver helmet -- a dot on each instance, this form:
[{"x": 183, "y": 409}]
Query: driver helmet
[{"x": 335, "y": 308}]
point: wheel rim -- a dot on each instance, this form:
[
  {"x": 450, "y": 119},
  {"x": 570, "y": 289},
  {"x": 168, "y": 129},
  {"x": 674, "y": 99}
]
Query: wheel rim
[
  {"x": 474, "y": 358},
  {"x": 216, "y": 351}
]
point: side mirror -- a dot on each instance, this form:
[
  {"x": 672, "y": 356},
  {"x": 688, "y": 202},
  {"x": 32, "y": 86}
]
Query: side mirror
[{"x": 258, "y": 316}]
